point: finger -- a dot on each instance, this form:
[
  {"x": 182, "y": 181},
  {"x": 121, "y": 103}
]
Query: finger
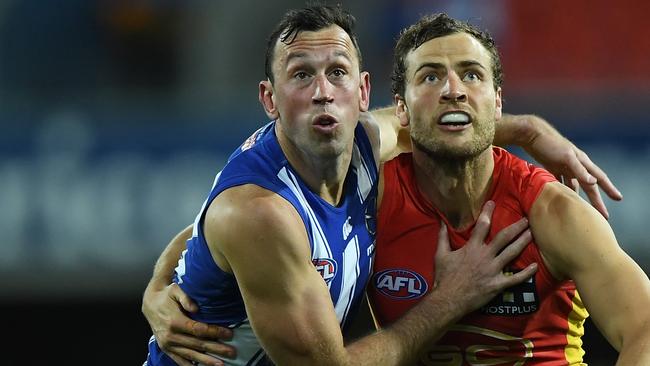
[
  {"x": 219, "y": 333},
  {"x": 513, "y": 250},
  {"x": 482, "y": 228},
  {"x": 180, "y": 323},
  {"x": 603, "y": 180},
  {"x": 593, "y": 193},
  {"x": 443, "y": 241},
  {"x": 179, "y": 360},
  {"x": 609, "y": 188},
  {"x": 178, "y": 295},
  {"x": 201, "y": 345},
  {"x": 576, "y": 166},
  {"x": 223, "y": 350},
  {"x": 567, "y": 181},
  {"x": 444, "y": 248},
  {"x": 508, "y": 234},
  {"x": 189, "y": 326},
  {"x": 191, "y": 355},
  {"x": 206, "y": 331},
  {"x": 575, "y": 185},
  {"x": 519, "y": 277}
]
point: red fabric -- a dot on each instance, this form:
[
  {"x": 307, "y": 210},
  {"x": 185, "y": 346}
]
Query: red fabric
[{"x": 406, "y": 242}]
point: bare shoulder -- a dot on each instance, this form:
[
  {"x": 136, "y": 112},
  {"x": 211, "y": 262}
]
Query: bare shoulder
[
  {"x": 558, "y": 199},
  {"x": 247, "y": 204},
  {"x": 569, "y": 231},
  {"x": 241, "y": 218}
]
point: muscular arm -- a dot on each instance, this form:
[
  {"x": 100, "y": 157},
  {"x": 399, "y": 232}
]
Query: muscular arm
[
  {"x": 540, "y": 140},
  {"x": 395, "y": 138},
  {"x": 558, "y": 155},
  {"x": 164, "y": 268},
  {"x": 578, "y": 243},
  {"x": 262, "y": 239},
  {"x": 165, "y": 305}
]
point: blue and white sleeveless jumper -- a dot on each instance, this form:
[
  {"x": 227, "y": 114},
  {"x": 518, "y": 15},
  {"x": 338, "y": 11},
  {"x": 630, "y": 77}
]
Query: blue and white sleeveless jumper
[{"x": 341, "y": 239}]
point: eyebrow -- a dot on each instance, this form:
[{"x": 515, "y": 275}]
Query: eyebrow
[
  {"x": 343, "y": 54},
  {"x": 468, "y": 63},
  {"x": 303, "y": 54},
  {"x": 293, "y": 55},
  {"x": 438, "y": 65}
]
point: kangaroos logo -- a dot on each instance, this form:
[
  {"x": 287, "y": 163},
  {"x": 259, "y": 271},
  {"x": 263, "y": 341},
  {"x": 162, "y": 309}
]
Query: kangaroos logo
[
  {"x": 400, "y": 284},
  {"x": 326, "y": 267}
]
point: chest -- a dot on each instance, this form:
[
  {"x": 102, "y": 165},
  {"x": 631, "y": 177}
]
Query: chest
[{"x": 405, "y": 263}]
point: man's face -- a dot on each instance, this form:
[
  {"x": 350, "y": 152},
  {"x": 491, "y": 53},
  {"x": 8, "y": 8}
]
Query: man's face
[
  {"x": 318, "y": 91},
  {"x": 450, "y": 101}
]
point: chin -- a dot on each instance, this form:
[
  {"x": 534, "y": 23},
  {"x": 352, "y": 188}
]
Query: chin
[
  {"x": 439, "y": 150},
  {"x": 331, "y": 150}
]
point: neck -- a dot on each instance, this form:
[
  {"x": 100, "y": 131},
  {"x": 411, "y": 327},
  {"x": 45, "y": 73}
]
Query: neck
[
  {"x": 324, "y": 174},
  {"x": 456, "y": 187}
]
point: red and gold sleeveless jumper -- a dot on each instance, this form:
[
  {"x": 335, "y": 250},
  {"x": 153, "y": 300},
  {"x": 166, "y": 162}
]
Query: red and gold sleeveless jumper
[{"x": 538, "y": 322}]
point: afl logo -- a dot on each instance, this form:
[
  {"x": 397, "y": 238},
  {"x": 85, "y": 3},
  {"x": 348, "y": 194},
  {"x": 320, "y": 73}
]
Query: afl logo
[
  {"x": 326, "y": 267},
  {"x": 400, "y": 284}
]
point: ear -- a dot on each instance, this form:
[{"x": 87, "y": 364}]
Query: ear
[
  {"x": 401, "y": 111},
  {"x": 498, "y": 105},
  {"x": 364, "y": 91},
  {"x": 267, "y": 99}
]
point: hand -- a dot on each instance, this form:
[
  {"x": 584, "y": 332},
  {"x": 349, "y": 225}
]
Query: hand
[
  {"x": 569, "y": 164},
  {"x": 474, "y": 272},
  {"x": 181, "y": 338}
]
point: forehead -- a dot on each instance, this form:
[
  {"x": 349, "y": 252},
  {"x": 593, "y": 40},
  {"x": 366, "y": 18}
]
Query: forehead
[
  {"x": 449, "y": 50},
  {"x": 331, "y": 40}
]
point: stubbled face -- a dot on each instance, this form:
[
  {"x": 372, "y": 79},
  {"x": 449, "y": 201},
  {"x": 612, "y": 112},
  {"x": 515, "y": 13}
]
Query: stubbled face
[
  {"x": 318, "y": 92},
  {"x": 450, "y": 100}
]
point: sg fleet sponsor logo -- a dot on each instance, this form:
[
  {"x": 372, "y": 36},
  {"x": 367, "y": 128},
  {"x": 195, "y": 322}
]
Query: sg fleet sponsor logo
[
  {"x": 326, "y": 267},
  {"x": 401, "y": 284}
]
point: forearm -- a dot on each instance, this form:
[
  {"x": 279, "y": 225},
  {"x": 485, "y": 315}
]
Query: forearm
[
  {"x": 384, "y": 114},
  {"x": 402, "y": 342},
  {"x": 520, "y": 130},
  {"x": 634, "y": 345},
  {"x": 164, "y": 268},
  {"x": 395, "y": 138}
]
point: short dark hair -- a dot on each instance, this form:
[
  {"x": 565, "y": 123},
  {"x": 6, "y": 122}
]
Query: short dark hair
[
  {"x": 311, "y": 18},
  {"x": 435, "y": 26}
]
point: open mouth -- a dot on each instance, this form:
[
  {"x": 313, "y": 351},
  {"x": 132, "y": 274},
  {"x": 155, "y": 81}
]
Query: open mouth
[
  {"x": 325, "y": 120},
  {"x": 455, "y": 119},
  {"x": 325, "y": 123}
]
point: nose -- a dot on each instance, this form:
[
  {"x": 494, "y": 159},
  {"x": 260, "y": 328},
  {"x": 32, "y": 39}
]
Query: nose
[
  {"x": 323, "y": 90},
  {"x": 453, "y": 90}
]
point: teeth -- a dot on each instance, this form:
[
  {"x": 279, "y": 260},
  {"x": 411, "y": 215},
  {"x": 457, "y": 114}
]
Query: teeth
[{"x": 455, "y": 118}]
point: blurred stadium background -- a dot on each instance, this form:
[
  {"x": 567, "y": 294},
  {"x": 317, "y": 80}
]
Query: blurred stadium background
[{"x": 116, "y": 114}]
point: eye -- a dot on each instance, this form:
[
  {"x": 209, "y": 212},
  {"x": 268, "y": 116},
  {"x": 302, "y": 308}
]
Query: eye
[
  {"x": 431, "y": 78},
  {"x": 471, "y": 76},
  {"x": 338, "y": 73},
  {"x": 301, "y": 75}
]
